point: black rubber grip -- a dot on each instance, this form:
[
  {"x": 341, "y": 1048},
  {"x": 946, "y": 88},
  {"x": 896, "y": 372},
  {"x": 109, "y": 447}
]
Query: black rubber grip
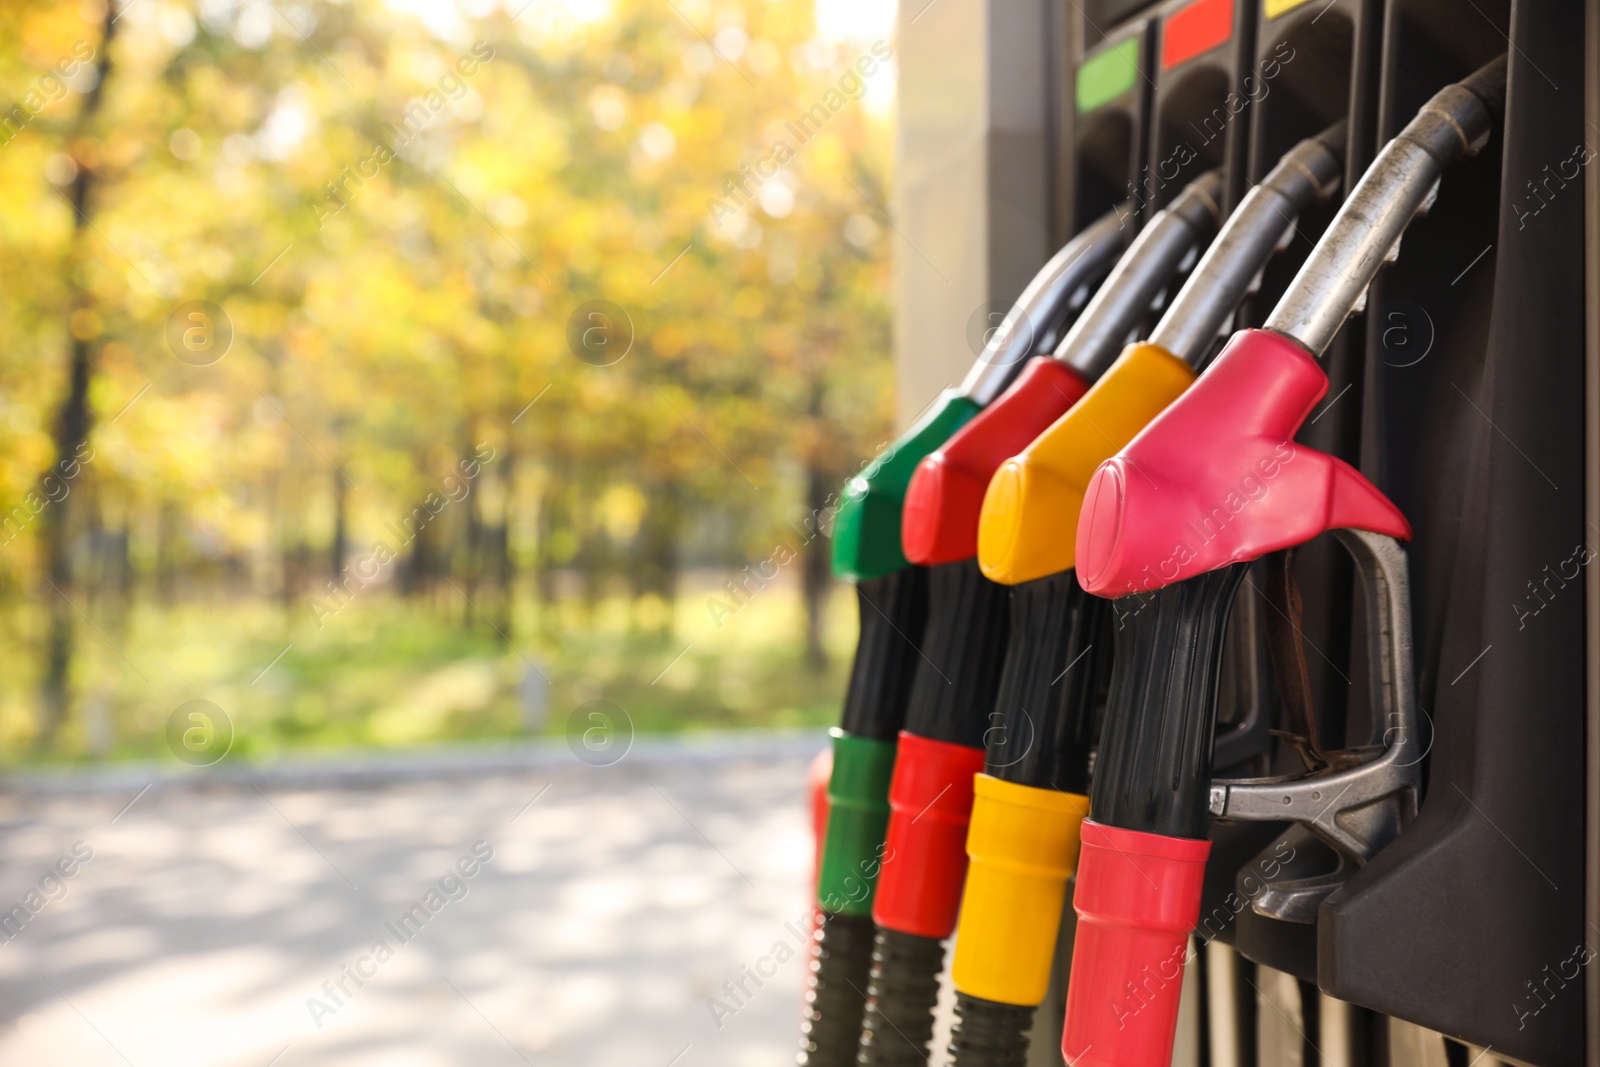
[
  {"x": 1043, "y": 721},
  {"x": 902, "y": 992},
  {"x": 989, "y": 1034},
  {"x": 963, "y": 648},
  {"x": 1154, "y": 764},
  {"x": 894, "y": 611},
  {"x": 836, "y": 991}
]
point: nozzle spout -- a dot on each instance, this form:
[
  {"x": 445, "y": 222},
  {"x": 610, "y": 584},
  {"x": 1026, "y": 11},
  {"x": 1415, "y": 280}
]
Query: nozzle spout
[
  {"x": 1400, "y": 184},
  {"x": 1307, "y": 174},
  {"x": 1050, "y": 296},
  {"x": 1144, "y": 270}
]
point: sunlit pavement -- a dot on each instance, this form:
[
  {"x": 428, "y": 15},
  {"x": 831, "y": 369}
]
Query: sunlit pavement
[{"x": 616, "y": 902}]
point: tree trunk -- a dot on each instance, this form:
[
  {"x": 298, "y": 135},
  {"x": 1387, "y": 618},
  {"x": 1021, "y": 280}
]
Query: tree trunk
[
  {"x": 544, "y": 566},
  {"x": 472, "y": 548},
  {"x": 815, "y": 569},
  {"x": 341, "y": 517},
  {"x": 658, "y": 547},
  {"x": 73, "y": 421},
  {"x": 500, "y": 566}
]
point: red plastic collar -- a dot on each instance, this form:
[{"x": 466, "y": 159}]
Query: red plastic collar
[
  {"x": 940, "y": 520},
  {"x": 1138, "y": 898},
  {"x": 925, "y": 859},
  {"x": 817, "y": 786},
  {"x": 1217, "y": 478}
]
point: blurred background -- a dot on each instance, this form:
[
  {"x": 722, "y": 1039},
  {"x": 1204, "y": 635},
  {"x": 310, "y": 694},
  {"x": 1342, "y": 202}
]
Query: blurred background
[
  {"x": 419, "y": 426},
  {"x": 273, "y": 272}
]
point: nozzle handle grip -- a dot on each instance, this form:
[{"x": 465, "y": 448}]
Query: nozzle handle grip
[{"x": 1153, "y": 768}]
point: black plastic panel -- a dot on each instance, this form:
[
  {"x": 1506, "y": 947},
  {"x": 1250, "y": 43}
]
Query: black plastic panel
[
  {"x": 1202, "y": 109},
  {"x": 1460, "y": 924},
  {"x": 1099, "y": 18},
  {"x": 1109, "y": 138}
]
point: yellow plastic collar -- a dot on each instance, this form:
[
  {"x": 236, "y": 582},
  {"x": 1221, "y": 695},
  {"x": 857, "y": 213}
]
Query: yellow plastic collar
[
  {"x": 1029, "y": 525},
  {"x": 1022, "y": 847}
]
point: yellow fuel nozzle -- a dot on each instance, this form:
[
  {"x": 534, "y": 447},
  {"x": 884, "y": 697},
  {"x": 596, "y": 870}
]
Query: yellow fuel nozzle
[{"x": 1029, "y": 524}]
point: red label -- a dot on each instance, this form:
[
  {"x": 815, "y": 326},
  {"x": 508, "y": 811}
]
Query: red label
[{"x": 1198, "y": 28}]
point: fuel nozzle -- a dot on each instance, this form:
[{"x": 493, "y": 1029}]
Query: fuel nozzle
[
  {"x": 947, "y": 491},
  {"x": 964, "y": 644},
  {"x": 1030, "y": 513},
  {"x": 1401, "y": 184},
  {"x": 1025, "y": 830},
  {"x": 866, "y": 534},
  {"x": 1241, "y": 423},
  {"x": 1175, "y": 518},
  {"x": 893, "y": 598},
  {"x": 942, "y": 746}
]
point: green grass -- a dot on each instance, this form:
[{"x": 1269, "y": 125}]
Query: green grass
[{"x": 385, "y": 672}]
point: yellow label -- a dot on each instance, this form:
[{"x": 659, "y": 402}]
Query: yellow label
[{"x": 1274, "y": 8}]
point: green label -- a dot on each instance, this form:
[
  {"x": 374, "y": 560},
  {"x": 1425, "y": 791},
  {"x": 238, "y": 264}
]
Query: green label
[
  {"x": 1105, "y": 77},
  {"x": 858, "y": 818}
]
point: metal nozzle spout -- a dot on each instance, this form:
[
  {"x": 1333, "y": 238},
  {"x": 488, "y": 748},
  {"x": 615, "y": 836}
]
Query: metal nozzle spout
[
  {"x": 1307, "y": 173},
  {"x": 1148, "y": 266},
  {"x": 1401, "y": 182},
  {"x": 1050, "y": 296}
]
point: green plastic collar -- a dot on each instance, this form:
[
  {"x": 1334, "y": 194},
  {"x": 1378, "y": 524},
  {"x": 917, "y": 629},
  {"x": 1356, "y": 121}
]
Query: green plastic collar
[
  {"x": 866, "y": 530},
  {"x": 858, "y": 818}
]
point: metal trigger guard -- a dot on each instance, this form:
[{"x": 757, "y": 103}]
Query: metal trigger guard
[{"x": 1359, "y": 810}]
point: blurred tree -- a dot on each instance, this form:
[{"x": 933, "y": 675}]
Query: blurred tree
[{"x": 397, "y": 212}]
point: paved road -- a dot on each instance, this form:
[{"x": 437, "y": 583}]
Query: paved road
[{"x": 215, "y": 925}]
